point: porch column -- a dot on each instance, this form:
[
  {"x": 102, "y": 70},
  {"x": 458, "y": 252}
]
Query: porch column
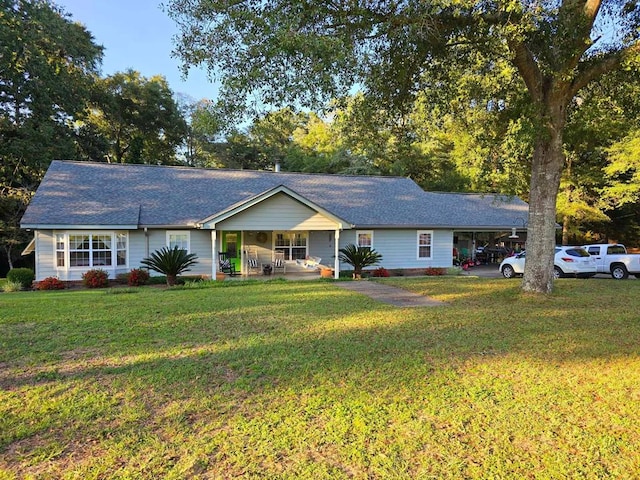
[
  {"x": 214, "y": 255},
  {"x": 336, "y": 266}
]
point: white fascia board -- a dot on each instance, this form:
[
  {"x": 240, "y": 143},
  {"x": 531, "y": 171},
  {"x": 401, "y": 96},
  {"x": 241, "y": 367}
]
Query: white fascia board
[
  {"x": 62, "y": 226},
  {"x": 245, "y": 205}
]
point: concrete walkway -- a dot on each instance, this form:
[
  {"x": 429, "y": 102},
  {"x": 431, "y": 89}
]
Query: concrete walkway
[{"x": 387, "y": 294}]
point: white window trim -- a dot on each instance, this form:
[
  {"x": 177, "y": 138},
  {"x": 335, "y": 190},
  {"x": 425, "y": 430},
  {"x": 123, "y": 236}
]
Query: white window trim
[
  {"x": 67, "y": 257},
  {"x": 64, "y": 249},
  {"x": 418, "y": 245},
  {"x": 364, "y": 232},
  {"x": 179, "y": 232},
  {"x": 290, "y": 246}
]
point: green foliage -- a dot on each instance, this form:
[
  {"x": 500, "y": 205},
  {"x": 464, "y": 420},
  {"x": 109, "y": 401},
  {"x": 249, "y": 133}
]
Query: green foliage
[
  {"x": 137, "y": 119},
  {"x": 23, "y": 276},
  {"x": 47, "y": 64},
  {"x": 170, "y": 262},
  {"x": 359, "y": 257},
  {"x": 624, "y": 169},
  {"x": 11, "y": 286},
  {"x": 290, "y": 54},
  {"x": 95, "y": 278}
]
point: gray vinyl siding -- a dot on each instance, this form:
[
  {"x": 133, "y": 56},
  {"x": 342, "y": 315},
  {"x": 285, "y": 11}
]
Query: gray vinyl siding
[
  {"x": 399, "y": 248},
  {"x": 263, "y": 250},
  {"x": 199, "y": 243},
  {"x": 279, "y": 212},
  {"x": 137, "y": 248},
  {"x": 321, "y": 244},
  {"x": 201, "y": 246},
  {"x": 45, "y": 256}
]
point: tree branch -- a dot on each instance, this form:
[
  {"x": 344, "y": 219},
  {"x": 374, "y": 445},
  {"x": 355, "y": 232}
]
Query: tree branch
[
  {"x": 602, "y": 66},
  {"x": 528, "y": 68},
  {"x": 588, "y": 10}
]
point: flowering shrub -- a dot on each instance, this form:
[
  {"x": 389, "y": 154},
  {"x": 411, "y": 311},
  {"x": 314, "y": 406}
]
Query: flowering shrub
[
  {"x": 380, "y": 272},
  {"x": 137, "y": 277},
  {"x": 50, "y": 283},
  {"x": 432, "y": 271},
  {"x": 96, "y": 278}
]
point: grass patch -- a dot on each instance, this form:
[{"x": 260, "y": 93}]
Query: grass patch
[{"x": 306, "y": 380}]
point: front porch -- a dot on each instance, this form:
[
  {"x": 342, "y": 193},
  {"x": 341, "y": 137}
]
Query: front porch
[
  {"x": 290, "y": 254},
  {"x": 279, "y": 223},
  {"x": 293, "y": 272}
]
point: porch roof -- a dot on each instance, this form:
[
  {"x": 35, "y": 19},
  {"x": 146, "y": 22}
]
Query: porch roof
[{"x": 243, "y": 205}]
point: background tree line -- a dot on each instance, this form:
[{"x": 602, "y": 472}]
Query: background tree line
[{"x": 467, "y": 135}]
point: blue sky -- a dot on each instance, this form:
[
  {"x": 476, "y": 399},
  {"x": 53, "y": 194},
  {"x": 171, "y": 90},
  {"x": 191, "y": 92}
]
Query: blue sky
[{"x": 137, "y": 34}]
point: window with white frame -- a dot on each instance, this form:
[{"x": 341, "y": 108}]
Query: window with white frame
[
  {"x": 364, "y": 238},
  {"x": 293, "y": 244},
  {"x": 99, "y": 249},
  {"x": 121, "y": 249},
  {"x": 60, "y": 250},
  {"x": 180, "y": 239},
  {"x": 79, "y": 250},
  {"x": 425, "y": 244}
]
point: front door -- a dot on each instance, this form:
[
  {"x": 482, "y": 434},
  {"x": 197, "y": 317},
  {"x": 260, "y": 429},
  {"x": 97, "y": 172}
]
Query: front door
[{"x": 232, "y": 245}]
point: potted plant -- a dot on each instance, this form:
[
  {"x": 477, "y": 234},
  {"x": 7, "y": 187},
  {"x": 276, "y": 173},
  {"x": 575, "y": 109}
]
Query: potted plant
[
  {"x": 326, "y": 272},
  {"x": 359, "y": 258}
]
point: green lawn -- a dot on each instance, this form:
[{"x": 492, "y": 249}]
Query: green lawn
[{"x": 305, "y": 380}]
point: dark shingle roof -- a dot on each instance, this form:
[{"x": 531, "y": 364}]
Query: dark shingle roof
[{"x": 85, "y": 193}]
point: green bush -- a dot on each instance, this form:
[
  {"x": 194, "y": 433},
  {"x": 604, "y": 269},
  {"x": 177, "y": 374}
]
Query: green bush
[
  {"x": 170, "y": 262},
  {"x": 359, "y": 258},
  {"x": 10, "y": 286},
  {"x": 96, "y": 278},
  {"x": 23, "y": 276}
]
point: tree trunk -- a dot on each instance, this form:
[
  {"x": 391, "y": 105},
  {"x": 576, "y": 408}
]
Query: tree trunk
[
  {"x": 565, "y": 229},
  {"x": 546, "y": 168},
  {"x": 7, "y": 250}
]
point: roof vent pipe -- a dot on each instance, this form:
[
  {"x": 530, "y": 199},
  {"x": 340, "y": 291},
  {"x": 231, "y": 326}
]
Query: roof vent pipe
[{"x": 276, "y": 168}]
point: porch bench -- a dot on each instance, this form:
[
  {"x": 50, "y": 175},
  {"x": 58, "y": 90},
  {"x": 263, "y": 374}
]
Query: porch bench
[{"x": 312, "y": 263}]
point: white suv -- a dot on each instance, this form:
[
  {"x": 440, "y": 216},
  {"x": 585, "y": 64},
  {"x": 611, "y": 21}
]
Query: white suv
[{"x": 568, "y": 261}]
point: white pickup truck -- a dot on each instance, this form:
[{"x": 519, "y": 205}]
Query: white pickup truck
[{"x": 614, "y": 259}]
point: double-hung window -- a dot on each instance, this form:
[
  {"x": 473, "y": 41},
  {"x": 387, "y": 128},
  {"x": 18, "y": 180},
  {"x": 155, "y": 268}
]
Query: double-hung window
[
  {"x": 364, "y": 239},
  {"x": 99, "y": 249},
  {"x": 60, "y": 249},
  {"x": 180, "y": 239},
  {"x": 425, "y": 244},
  {"x": 294, "y": 245}
]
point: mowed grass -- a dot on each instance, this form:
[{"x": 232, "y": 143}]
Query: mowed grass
[{"x": 306, "y": 380}]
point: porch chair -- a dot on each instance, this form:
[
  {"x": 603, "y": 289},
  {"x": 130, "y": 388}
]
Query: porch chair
[
  {"x": 278, "y": 262},
  {"x": 253, "y": 265},
  {"x": 225, "y": 265}
]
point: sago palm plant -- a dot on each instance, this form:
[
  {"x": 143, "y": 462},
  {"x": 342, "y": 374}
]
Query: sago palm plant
[
  {"x": 359, "y": 258},
  {"x": 170, "y": 262}
]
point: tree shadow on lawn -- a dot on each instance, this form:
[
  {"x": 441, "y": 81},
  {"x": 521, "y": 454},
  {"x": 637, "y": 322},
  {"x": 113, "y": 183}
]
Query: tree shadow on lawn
[
  {"x": 198, "y": 369},
  {"x": 287, "y": 338}
]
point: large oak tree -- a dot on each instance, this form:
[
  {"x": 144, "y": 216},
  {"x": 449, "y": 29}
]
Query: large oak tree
[
  {"x": 47, "y": 66},
  {"x": 278, "y": 51}
]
